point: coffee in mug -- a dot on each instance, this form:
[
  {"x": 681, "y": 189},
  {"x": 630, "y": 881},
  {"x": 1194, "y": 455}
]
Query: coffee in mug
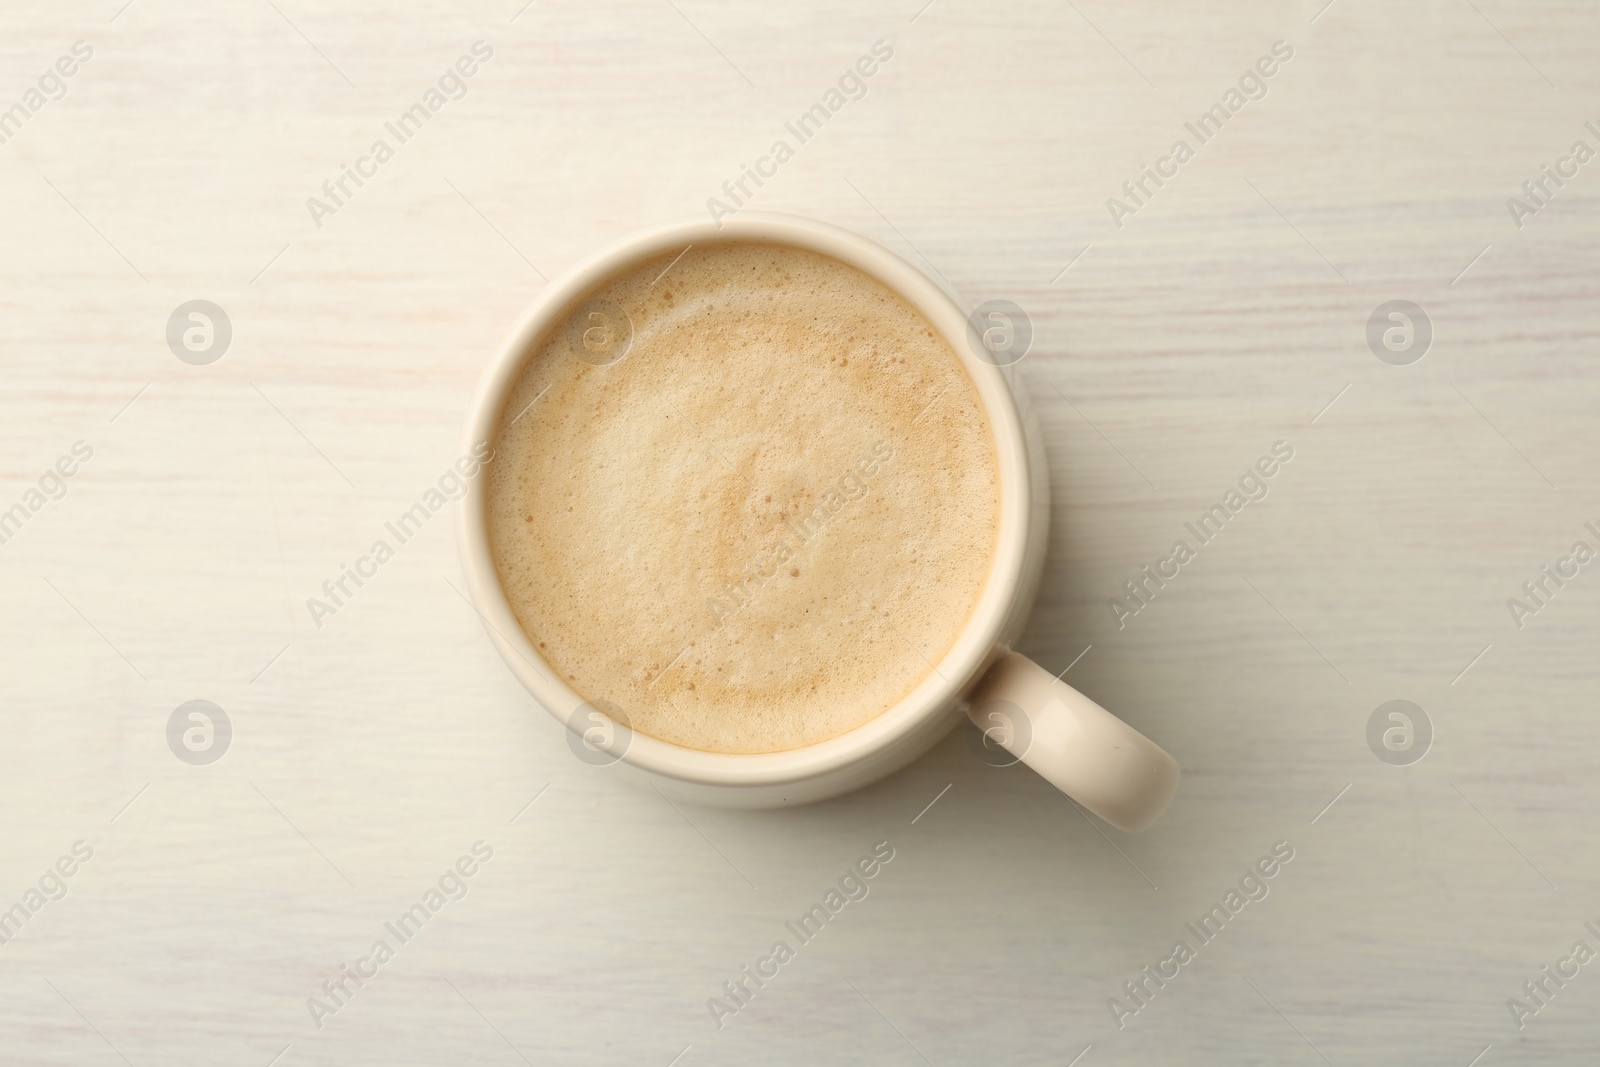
[{"x": 746, "y": 494}]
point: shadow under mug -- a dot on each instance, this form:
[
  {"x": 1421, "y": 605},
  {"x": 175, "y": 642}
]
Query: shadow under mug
[{"x": 1094, "y": 757}]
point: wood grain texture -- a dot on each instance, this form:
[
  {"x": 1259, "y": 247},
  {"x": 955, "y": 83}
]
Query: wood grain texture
[{"x": 1223, "y": 316}]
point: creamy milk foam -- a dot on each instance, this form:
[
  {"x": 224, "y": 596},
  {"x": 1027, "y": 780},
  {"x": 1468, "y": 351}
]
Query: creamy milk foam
[{"x": 765, "y": 523}]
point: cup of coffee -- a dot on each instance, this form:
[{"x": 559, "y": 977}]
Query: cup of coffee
[{"x": 764, "y": 516}]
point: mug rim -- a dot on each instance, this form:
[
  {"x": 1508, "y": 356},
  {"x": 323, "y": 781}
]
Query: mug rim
[{"x": 976, "y": 643}]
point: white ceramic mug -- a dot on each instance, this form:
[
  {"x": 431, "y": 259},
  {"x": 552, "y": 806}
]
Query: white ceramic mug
[{"x": 1106, "y": 765}]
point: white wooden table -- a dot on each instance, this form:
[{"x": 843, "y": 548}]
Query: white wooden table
[{"x": 1227, "y": 313}]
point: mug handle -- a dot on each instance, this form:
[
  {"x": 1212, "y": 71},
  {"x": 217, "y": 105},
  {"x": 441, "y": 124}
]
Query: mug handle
[{"x": 1078, "y": 746}]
